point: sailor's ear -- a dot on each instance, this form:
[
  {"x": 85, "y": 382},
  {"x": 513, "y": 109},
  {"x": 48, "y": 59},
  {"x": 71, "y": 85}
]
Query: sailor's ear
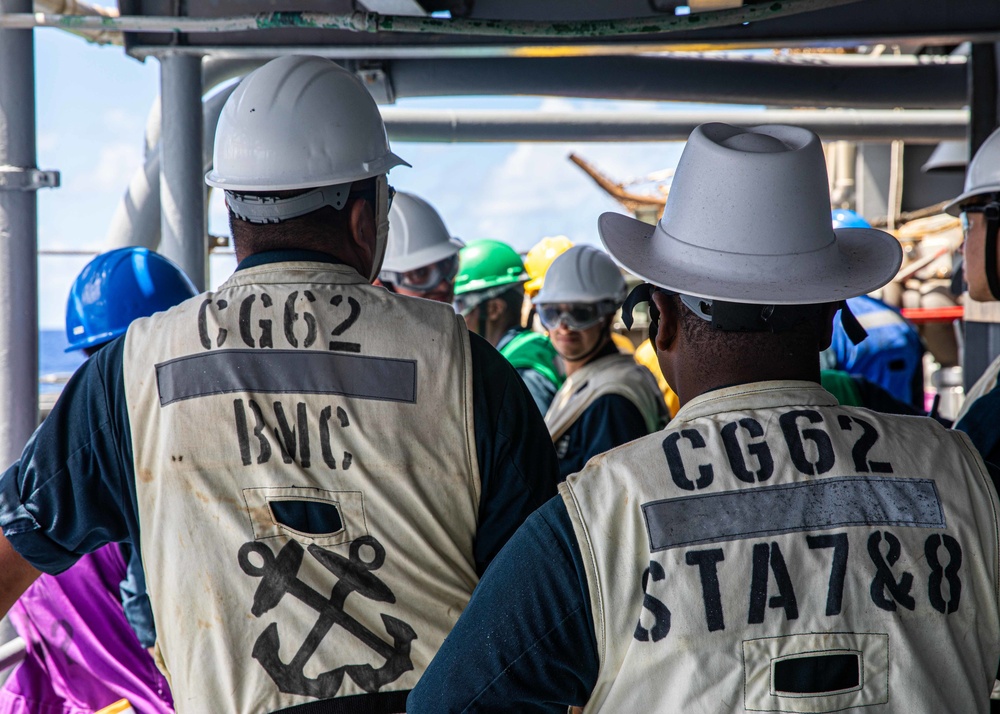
[{"x": 668, "y": 323}]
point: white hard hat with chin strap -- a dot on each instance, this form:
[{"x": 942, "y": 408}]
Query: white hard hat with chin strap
[
  {"x": 582, "y": 277},
  {"x": 746, "y": 238},
  {"x": 301, "y": 123}
]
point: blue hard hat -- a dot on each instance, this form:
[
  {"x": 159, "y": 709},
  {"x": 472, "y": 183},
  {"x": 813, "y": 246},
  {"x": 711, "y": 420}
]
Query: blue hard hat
[
  {"x": 846, "y": 218},
  {"x": 117, "y": 287}
]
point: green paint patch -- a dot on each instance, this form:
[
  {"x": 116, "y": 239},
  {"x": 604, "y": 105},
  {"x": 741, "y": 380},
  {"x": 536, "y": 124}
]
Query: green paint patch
[
  {"x": 275, "y": 20},
  {"x": 72, "y": 21}
]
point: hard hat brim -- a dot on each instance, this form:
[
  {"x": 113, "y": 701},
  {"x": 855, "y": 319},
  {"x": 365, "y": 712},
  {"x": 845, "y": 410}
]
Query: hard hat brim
[
  {"x": 858, "y": 261},
  {"x": 264, "y": 185},
  {"x": 419, "y": 259},
  {"x": 954, "y": 207}
]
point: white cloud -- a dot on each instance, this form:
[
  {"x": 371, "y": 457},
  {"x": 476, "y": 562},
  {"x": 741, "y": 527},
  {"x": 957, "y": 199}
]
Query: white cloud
[
  {"x": 536, "y": 191},
  {"x": 116, "y": 162},
  {"x": 118, "y": 120},
  {"x": 46, "y": 141}
]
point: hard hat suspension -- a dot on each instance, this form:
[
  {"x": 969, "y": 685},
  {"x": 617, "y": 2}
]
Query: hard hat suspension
[{"x": 271, "y": 209}]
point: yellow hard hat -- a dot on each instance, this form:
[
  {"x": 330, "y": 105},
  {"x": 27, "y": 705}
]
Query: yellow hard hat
[{"x": 540, "y": 257}]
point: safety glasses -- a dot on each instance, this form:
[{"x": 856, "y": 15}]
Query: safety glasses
[
  {"x": 576, "y": 316},
  {"x": 370, "y": 193},
  {"x": 466, "y": 303},
  {"x": 427, "y": 277},
  {"x": 963, "y": 216}
]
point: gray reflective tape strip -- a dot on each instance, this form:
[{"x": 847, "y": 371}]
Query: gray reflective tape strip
[
  {"x": 771, "y": 510},
  {"x": 287, "y": 372}
]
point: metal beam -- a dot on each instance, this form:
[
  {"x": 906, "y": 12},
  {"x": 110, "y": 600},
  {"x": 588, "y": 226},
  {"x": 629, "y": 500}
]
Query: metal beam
[
  {"x": 931, "y": 85},
  {"x": 489, "y": 126},
  {"x": 872, "y": 22},
  {"x": 182, "y": 188},
  {"x": 18, "y": 239}
]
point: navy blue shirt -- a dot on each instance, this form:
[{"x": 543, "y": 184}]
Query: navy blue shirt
[
  {"x": 526, "y": 641},
  {"x": 73, "y": 490},
  {"x": 982, "y": 423},
  {"x": 612, "y": 420}
]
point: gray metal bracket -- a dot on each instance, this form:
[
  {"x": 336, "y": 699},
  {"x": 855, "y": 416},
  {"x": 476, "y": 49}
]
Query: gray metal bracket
[{"x": 15, "y": 178}]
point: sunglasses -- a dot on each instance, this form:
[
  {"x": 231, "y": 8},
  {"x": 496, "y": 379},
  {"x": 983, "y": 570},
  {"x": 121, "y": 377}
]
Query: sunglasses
[
  {"x": 991, "y": 209},
  {"x": 576, "y": 316},
  {"x": 427, "y": 277}
]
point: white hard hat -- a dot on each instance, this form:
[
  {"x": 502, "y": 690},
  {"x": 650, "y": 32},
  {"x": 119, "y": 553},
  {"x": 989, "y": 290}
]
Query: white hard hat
[
  {"x": 582, "y": 274},
  {"x": 983, "y": 175},
  {"x": 299, "y": 122},
  {"x": 417, "y": 235},
  {"x": 748, "y": 221}
]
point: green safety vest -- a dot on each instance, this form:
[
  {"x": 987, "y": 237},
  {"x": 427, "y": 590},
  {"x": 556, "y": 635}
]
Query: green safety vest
[{"x": 533, "y": 350}]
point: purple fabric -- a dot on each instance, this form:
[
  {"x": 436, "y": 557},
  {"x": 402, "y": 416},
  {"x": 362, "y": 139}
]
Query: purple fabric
[{"x": 82, "y": 654}]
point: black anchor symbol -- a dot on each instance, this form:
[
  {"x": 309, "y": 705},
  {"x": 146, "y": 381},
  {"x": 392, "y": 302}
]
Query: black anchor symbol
[{"x": 279, "y": 576}]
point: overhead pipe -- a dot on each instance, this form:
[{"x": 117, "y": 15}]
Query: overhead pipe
[
  {"x": 77, "y": 8},
  {"x": 921, "y": 126},
  {"x": 933, "y": 85}
]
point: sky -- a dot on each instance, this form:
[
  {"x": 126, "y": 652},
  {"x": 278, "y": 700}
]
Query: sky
[{"x": 92, "y": 103}]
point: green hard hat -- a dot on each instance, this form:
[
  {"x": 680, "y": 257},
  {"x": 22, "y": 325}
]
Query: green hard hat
[{"x": 485, "y": 264}]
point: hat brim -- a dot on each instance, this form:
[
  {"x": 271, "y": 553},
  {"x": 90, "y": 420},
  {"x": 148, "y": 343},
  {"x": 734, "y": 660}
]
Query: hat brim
[
  {"x": 858, "y": 261},
  {"x": 955, "y": 206}
]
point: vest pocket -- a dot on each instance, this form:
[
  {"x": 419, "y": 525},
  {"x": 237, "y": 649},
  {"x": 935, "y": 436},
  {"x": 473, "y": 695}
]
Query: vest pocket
[
  {"x": 308, "y": 515},
  {"x": 816, "y": 672},
  {"x": 313, "y": 518}
]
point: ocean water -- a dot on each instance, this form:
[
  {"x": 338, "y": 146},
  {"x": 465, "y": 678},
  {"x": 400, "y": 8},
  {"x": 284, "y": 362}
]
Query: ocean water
[{"x": 55, "y": 365}]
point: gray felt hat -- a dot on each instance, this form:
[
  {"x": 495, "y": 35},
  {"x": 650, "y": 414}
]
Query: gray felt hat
[{"x": 748, "y": 220}]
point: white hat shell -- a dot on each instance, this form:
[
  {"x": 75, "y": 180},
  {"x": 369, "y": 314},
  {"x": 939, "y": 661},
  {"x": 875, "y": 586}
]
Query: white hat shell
[
  {"x": 417, "y": 235},
  {"x": 583, "y": 274},
  {"x": 299, "y": 122},
  {"x": 983, "y": 175}
]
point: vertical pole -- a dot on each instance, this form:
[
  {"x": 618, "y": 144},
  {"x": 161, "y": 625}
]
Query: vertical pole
[
  {"x": 982, "y": 320},
  {"x": 182, "y": 183},
  {"x": 18, "y": 240},
  {"x": 18, "y": 249}
]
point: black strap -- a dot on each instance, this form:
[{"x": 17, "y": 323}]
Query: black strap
[
  {"x": 379, "y": 703},
  {"x": 856, "y": 333},
  {"x": 992, "y": 215},
  {"x": 640, "y": 294}
]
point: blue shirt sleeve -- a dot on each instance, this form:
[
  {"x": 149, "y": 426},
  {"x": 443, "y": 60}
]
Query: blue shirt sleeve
[
  {"x": 135, "y": 599},
  {"x": 982, "y": 423},
  {"x": 517, "y": 463},
  {"x": 73, "y": 489},
  {"x": 612, "y": 420},
  {"x": 540, "y": 388},
  {"x": 526, "y": 641}
]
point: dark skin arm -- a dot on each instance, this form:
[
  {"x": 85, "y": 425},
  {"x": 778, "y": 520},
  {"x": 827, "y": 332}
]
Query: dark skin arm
[{"x": 15, "y": 575}]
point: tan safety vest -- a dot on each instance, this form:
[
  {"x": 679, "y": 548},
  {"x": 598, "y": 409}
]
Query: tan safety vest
[
  {"x": 614, "y": 374},
  {"x": 984, "y": 385},
  {"x": 773, "y": 551},
  {"x": 307, "y": 483}
]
